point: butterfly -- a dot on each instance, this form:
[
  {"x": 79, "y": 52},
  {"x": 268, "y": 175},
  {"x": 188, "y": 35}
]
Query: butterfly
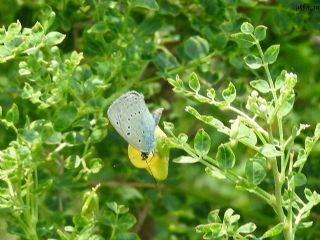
[{"x": 131, "y": 118}]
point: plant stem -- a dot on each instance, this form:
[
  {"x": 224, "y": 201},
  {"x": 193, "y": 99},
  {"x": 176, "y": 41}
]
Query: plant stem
[
  {"x": 114, "y": 227},
  {"x": 277, "y": 189},
  {"x": 278, "y": 178}
]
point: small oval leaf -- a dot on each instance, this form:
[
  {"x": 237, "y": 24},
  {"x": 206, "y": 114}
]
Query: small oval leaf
[
  {"x": 260, "y": 32},
  {"x": 194, "y": 83},
  {"x": 276, "y": 230},
  {"x": 13, "y": 114},
  {"x": 255, "y": 170},
  {"x": 147, "y": 4},
  {"x": 261, "y": 85},
  {"x": 202, "y": 143},
  {"x": 247, "y": 228},
  {"x": 225, "y": 156},
  {"x": 271, "y": 54},
  {"x": 269, "y": 151},
  {"x": 186, "y": 159},
  {"x": 229, "y": 94},
  {"x": 247, "y": 28},
  {"x": 253, "y": 61},
  {"x": 299, "y": 179}
]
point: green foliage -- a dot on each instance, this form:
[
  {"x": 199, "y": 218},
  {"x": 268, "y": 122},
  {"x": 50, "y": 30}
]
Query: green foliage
[
  {"x": 250, "y": 131},
  {"x": 226, "y": 228},
  {"x": 65, "y": 174}
]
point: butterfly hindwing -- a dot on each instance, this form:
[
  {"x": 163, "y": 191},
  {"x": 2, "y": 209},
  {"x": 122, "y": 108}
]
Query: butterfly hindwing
[{"x": 131, "y": 118}]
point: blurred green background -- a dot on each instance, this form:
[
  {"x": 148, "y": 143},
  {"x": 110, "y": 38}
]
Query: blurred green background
[{"x": 139, "y": 48}]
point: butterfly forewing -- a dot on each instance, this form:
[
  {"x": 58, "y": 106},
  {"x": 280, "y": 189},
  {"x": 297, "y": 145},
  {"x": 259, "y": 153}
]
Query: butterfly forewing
[{"x": 131, "y": 118}]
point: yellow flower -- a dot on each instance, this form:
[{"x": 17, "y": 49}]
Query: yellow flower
[{"x": 157, "y": 163}]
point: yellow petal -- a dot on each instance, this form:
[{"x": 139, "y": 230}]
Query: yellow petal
[
  {"x": 156, "y": 166},
  {"x": 136, "y": 158}
]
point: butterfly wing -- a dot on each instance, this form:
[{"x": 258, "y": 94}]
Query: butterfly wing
[{"x": 131, "y": 118}]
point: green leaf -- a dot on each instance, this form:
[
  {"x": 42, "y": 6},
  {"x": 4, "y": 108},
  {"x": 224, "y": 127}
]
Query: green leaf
[
  {"x": 260, "y": 32},
  {"x": 210, "y": 227},
  {"x": 126, "y": 235},
  {"x": 100, "y": 27},
  {"x": 95, "y": 165},
  {"x": 193, "y": 111},
  {"x": 165, "y": 61},
  {"x": 201, "y": 98},
  {"x": 280, "y": 80},
  {"x": 147, "y": 4},
  {"x": 213, "y": 216},
  {"x": 49, "y": 136},
  {"x": 195, "y": 47},
  {"x": 308, "y": 194},
  {"x": 286, "y": 106},
  {"x": 271, "y": 54},
  {"x": 301, "y": 159},
  {"x": 247, "y": 228},
  {"x": 243, "y": 40},
  {"x": 256, "y": 170},
  {"x": 233, "y": 219},
  {"x": 178, "y": 85},
  {"x": 216, "y": 123},
  {"x": 202, "y": 143},
  {"x": 168, "y": 127},
  {"x": 299, "y": 179},
  {"x": 308, "y": 144},
  {"x": 186, "y": 159},
  {"x": 229, "y": 94},
  {"x": 152, "y": 24},
  {"x": 182, "y": 138},
  {"x": 72, "y": 162},
  {"x": 276, "y": 230},
  {"x": 14, "y": 28},
  {"x": 64, "y": 117},
  {"x": 211, "y": 93},
  {"x": 261, "y": 85},
  {"x": 246, "y": 134},
  {"x": 194, "y": 83},
  {"x": 225, "y": 156},
  {"x": 227, "y": 215},
  {"x": 98, "y": 134},
  {"x": 247, "y": 28},
  {"x": 305, "y": 224},
  {"x": 215, "y": 173},
  {"x": 269, "y": 151},
  {"x": 253, "y": 61},
  {"x": 54, "y": 38},
  {"x": 13, "y": 114},
  {"x": 28, "y": 135}
]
